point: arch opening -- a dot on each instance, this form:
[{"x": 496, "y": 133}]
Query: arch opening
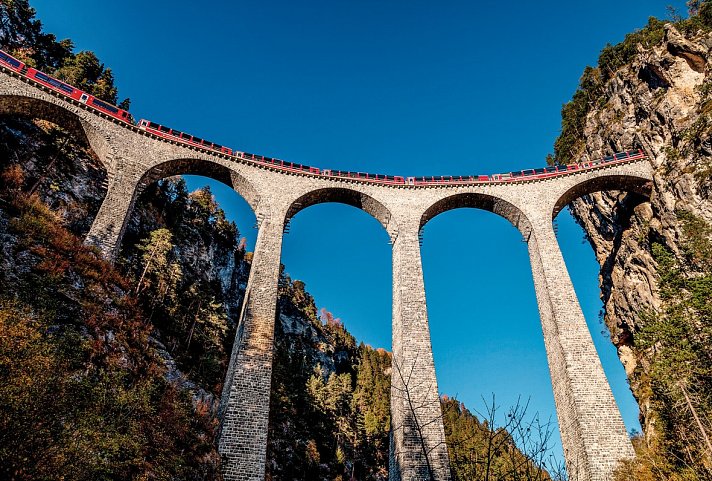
[
  {"x": 478, "y": 201},
  {"x": 203, "y": 168},
  {"x": 340, "y": 195},
  {"x": 485, "y": 328},
  {"x": 337, "y": 258},
  {"x": 185, "y": 249},
  {"x": 628, "y": 183},
  {"x": 32, "y": 108},
  {"x": 619, "y": 213}
]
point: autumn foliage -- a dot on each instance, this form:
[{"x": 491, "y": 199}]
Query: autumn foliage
[{"x": 83, "y": 394}]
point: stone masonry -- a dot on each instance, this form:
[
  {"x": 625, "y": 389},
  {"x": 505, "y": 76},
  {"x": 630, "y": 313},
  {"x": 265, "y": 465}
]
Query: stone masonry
[{"x": 592, "y": 430}]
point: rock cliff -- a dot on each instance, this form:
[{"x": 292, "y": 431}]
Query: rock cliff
[{"x": 656, "y": 94}]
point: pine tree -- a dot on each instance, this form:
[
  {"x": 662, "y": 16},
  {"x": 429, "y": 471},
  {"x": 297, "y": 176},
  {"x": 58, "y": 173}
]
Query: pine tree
[
  {"x": 155, "y": 250},
  {"x": 85, "y": 72}
]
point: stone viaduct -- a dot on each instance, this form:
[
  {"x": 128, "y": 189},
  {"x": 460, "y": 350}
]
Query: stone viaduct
[{"x": 592, "y": 431}]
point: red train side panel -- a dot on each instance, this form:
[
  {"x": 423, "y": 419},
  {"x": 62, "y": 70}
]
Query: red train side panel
[
  {"x": 11, "y": 62},
  {"x": 76, "y": 94}
]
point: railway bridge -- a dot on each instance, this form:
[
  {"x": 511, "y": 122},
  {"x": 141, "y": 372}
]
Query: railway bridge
[{"x": 592, "y": 431}]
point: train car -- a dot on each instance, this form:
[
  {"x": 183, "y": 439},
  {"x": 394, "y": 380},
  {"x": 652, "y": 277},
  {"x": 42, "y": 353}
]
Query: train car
[
  {"x": 77, "y": 94},
  {"x": 11, "y": 62},
  {"x": 528, "y": 173},
  {"x": 105, "y": 107},
  {"x": 390, "y": 179},
  {"x": 177, "y": 135},
  {"x": 385, "y": 179},
  {"x": 56, "y": 85}
]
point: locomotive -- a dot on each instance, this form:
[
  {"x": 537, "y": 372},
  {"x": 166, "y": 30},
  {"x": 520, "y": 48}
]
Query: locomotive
[{"x": 177, "y": 136}]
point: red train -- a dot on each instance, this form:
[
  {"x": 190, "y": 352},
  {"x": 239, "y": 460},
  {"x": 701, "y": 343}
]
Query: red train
[
  {"x": 191, "y": 140},
  {"x": 63, "y": 88}
]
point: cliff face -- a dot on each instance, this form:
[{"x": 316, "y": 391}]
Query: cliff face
[{"x": 660, "y": 100}]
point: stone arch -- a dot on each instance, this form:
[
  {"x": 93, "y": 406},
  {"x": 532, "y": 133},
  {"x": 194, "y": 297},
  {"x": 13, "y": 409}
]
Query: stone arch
[
  {"x": 627, "y": 182},
  {"x": 342, "y": 195},
  {"x": 37, "y": 108},
  {"x": 481, "y": 201},
  {"x": 108, "y": 230},
  {"x": 205, "y": 168}
]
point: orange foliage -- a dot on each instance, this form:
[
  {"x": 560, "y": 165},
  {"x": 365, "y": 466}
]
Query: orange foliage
[
  {"x": 12, "y": 178},
  {"x": 103, "y": 381}
]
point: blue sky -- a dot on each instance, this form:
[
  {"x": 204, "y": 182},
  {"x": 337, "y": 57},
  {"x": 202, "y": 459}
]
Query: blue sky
[{"x": 399, "y": 87}]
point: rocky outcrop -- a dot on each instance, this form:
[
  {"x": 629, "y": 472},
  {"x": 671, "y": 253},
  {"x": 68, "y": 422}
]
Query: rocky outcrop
[{"x": 661, "y": 102}]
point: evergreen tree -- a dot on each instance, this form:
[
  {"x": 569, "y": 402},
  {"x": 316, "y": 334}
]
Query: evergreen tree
[
  {"x": 85, "y": 72},
  {"x": 21, "y": 35},
  {"x": 155, "y": 249}
]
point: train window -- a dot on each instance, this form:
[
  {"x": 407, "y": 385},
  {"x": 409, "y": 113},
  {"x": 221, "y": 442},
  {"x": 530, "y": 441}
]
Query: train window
[
  {"x": 176, "y": 133},
  {"x": 104, "y": 106},
  {"x": 539, "y": 171},
  {"x": 608, "y": 159},
  {"x": 164, "y": 129},
  {"x": 516, "y": 174},
  {"x": 7, "y": 59},
  {"x": 268, "y": 159},
  {"x": 54, "y": 82},
  {"x": 551, "y": 168},
  {"x": 197, "y": 140},
  {"x": 217, "y": 147},
  {"x": 153, "y": 126}
]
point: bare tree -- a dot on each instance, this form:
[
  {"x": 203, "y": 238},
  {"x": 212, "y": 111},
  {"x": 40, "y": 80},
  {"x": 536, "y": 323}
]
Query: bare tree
[{"x": 517, "y": 448}]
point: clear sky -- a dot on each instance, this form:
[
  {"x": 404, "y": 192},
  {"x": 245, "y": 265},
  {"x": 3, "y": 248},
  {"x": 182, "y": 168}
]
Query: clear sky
[{"x": 400, "y": 87}]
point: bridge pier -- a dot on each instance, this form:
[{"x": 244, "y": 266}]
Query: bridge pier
[
  {"x": 418, "y": 450},
  {"x": 110, "y": 223},
  {"x": 246, "y": 393},
  {"x": 592, "y": 430}
]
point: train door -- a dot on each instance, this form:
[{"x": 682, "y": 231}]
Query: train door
[
  {"x": 411, "y": 181},
  {"x": 84, "y": 98}
]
